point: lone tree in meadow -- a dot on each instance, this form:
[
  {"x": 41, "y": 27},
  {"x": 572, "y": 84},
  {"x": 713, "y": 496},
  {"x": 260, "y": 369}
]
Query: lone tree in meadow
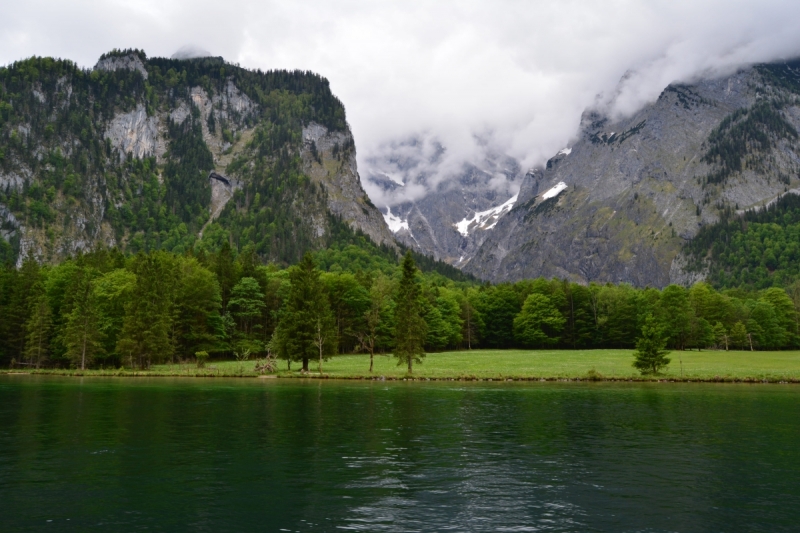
[
  {"x": 410, "y": 328},
  {"x": 650, "y": 356}
]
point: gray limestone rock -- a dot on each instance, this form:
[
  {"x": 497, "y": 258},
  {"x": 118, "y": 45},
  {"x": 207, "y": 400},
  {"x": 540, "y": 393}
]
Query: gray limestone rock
[
  {"x": 329, "y": 158},
  {"x": 135, "y": 133},
  {"x": 130, "y": 62},
  {"x": 635, "y": 191}
]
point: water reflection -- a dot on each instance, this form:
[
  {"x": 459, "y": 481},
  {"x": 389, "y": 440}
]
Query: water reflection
[{"x": 172, "y": 455}]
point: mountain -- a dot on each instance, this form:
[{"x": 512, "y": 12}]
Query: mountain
[
  {"x": 622, "y": 202},
  {"x": 456, "y": 214},
  {"x": 143, "y": 153}
]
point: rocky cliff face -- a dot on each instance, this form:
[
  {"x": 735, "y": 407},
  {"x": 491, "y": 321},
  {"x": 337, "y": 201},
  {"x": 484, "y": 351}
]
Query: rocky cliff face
[
  {"x": 618, "y": 204},
  {"x": 329, "y": 158},
  {"x": 453, "y": 219},
  {"x": 141, "y": 153}
]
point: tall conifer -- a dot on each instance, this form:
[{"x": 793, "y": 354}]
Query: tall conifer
[
  {"x": 307, "y": 328},
  {"x": 410, "y": 327},
  {"x": 38, "y": 327},
  {"x": 82, "y": 334}
]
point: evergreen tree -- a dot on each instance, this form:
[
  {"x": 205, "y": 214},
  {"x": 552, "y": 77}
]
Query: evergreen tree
[
  {"x": 410, "y": 327},
  {"x": 145, "y": 336},
  {"x": 21, "y": 293},
  {"x": 650, "y": 356},
  {"x": 225, "y": 269},
  {"x": 38, "y": 328},
  {"x": 82, "y": 334},
  {"x": 307, "y": 328}
]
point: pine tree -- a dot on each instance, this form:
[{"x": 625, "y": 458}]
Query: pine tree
[
  {"x": 82, "y": 334},
  {"x": 40, "y": 322},
  {"x": 17, "y": 310},
  {"x": 146, "y": 330},
  {"x": 410, "y": 327},
  {"x": 307, "y": 328},
  {"x": 225, "y": 269},
  {"x": 650, "y": 356}
]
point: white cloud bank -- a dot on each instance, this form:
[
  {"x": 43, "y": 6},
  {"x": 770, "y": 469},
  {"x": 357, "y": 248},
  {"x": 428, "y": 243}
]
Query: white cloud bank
[{"x": 505, "y": 76}]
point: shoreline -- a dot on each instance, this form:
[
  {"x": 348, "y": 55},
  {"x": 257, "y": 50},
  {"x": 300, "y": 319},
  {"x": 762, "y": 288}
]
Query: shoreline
[{"x": 461, "y": 378}]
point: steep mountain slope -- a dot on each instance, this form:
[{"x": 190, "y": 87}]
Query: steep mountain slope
[
  {"x": 621, "y": 201},
  {"x": 451, "y": 221},
  {"x": 756, "y": 249},
  {"x": 157, "y": 153}
]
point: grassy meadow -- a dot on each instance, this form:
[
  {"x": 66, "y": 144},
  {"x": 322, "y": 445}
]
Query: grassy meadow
[{"x": 510, "y": 364}]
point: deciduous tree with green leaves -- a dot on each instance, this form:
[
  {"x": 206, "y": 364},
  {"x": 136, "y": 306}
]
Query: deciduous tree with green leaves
[
  {"x": 247, "y": 305},
  {"x": 539, "y": 323},
  {"x": 373, "y": 328},
  {"x": 739, "y": 335}
]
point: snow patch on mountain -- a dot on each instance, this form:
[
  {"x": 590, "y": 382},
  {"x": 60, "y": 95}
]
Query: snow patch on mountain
[
  {"x": 394, "y": 222},
  {"x": 554, "y": 191},
  {"x": 565, "y": 151},
  {"x": 485, "y": 220}
]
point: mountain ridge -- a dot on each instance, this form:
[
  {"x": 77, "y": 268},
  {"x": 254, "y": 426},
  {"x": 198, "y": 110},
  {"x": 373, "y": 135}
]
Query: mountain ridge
[
  {"x": 638, "y": 188},
  {"x": 143, "y": 153}
]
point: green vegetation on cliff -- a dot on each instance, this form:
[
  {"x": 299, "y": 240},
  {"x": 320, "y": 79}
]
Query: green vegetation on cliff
[
  {"x": 755, "y": 250},
  {"x": 64, "y": 181}
]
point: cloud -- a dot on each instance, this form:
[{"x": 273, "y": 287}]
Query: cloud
[
  {"x": 505, "y": 76},
  {"x": 190, "y": 51}
]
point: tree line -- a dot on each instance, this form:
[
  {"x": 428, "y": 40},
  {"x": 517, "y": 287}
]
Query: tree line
[{"x": 106, "y": 309}]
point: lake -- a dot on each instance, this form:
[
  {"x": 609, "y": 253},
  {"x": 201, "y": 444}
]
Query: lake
[{"x": 164, "y": 454}]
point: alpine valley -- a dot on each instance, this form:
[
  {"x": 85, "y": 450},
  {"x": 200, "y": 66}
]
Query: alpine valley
[
  {"x": 195, "y": 154},
  {"x": 625, "y": 201}
]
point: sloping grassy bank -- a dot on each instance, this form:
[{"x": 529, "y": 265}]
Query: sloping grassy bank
[{"x": 506, "y": 364}]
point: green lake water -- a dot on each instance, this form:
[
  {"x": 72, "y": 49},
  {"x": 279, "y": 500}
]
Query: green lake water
[{"x": 216, "y": 455}]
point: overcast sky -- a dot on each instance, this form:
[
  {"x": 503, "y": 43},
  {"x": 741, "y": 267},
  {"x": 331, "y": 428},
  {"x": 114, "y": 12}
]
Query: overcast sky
[{"x": 515, "y": 74}]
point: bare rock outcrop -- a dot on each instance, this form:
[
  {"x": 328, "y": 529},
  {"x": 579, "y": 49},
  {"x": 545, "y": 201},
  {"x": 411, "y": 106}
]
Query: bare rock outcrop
[
  {"x": 137, "y": 134},
  {"x": 329, "y": 158},
  {"x": 130, "y": 62}
]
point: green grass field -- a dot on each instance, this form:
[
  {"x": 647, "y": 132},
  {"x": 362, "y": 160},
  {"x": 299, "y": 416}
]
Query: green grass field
[
  {"x": 519, "y": 364},
  {"x": 516, "y": 364}
]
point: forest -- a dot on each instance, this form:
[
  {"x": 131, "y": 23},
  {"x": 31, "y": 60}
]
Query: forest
[
  {"x": 756, "y": 250},
  {"x": 104, "y": 309}
]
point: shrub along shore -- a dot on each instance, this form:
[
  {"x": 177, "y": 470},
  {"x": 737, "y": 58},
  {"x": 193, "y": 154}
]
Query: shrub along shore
[{"x": 501, "y": 365}]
